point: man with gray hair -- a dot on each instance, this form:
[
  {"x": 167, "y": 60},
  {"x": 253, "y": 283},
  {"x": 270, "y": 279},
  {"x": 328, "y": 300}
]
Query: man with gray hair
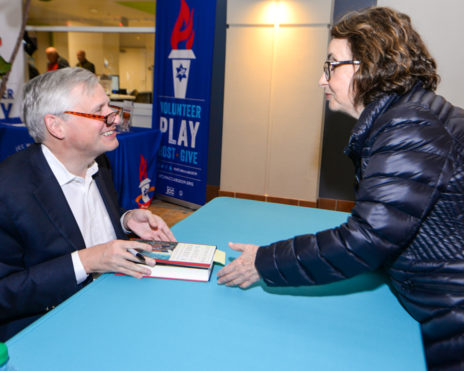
[{"x": 60, "y": 221}]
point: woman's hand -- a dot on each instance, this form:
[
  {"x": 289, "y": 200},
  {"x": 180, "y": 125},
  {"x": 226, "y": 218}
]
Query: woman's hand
[{"x": 242, "y": 271}]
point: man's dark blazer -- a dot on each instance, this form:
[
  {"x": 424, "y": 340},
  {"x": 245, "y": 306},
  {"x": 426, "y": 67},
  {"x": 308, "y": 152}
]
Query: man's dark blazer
[{"x": 38, "y": 233}]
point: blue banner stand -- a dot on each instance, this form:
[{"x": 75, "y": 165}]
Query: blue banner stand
[{"x": 184, "y": 45}]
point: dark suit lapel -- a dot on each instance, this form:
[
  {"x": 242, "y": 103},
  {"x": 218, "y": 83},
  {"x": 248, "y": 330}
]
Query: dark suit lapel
[{"x": 50, "y": 196}]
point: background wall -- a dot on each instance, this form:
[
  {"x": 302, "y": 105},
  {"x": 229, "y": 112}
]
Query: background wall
[
  {"x": 273, "y": 107},
  {"x": 136, "y": 60},
  {"x": 110, "y": 48},
  {"x": 126, "y": 54},
  {"x": 91, "y": 43},
  {"x": 440, "y": 25}
]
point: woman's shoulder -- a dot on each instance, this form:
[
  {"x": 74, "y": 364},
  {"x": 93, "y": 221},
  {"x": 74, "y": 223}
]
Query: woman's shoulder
[
  {"x": 423, "y": 103},
  {"x": 430, "y": 112},
  {"x": 420, "y": 121},
  {"x": 420, "y": 107}
]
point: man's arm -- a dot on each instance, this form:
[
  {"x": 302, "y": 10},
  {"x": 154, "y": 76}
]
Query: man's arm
[
  {"x": 27, "y": 287},
  {"x": 116, "y": 256}
]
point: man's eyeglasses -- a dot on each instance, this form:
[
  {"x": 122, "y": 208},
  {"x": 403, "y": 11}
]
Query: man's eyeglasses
[
  {"x": 330, "y": 66},
  {"x": 109, "y": 119}
]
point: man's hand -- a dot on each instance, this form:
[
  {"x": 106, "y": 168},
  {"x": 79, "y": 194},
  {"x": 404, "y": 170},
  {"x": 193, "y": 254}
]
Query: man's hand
[
  {"x": 114, "y": 257},
  {"x": 241, "y": 272},
  {"x": 147, "y": 225}
]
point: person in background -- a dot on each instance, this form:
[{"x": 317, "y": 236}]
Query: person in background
[
  {"x": 83, "y": 62},
  {"x": 408, "y": 152},
  {"x": 60, "y": 221},
  {"x": 55, "y": 61}
]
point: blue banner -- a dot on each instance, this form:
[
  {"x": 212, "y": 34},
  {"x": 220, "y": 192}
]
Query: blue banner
[{"x": 182, "y": 87}]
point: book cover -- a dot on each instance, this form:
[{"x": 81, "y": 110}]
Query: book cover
[{"x": 179, "y": 260}]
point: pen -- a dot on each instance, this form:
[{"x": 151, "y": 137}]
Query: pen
[{"x": 137, "y": 255}]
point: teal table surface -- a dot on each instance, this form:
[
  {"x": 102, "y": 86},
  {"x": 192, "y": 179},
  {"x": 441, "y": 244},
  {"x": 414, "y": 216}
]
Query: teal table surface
[{"x": 121, "y": 323}]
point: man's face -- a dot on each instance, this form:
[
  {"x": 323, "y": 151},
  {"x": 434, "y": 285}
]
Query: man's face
[
  {"x": 52, "y": 57},
  {"x": 81, "y": 57},
  {"x": 87, "y": 137}
]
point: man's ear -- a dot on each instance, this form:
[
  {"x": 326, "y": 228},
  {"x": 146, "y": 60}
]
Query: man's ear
[{"x": 54, "y": 125}]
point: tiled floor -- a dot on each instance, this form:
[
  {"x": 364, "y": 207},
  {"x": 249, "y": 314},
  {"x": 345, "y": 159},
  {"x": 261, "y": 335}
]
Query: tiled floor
[{"x": 171, "y": 213}]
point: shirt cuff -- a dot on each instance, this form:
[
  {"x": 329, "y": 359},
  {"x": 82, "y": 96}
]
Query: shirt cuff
[
  {"x": 79, "y": 270},
  {"x": 122, "y": 222}
]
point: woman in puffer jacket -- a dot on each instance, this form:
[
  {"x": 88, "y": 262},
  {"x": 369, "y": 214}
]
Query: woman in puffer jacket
[{"x": 408, "y": 152}]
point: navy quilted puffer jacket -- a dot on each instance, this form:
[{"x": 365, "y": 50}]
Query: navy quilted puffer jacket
[{"x": 408, "y": 219}]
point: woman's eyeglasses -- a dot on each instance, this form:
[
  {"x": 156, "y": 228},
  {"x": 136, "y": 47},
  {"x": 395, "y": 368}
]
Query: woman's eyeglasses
[{"x": 330, "y": 66}]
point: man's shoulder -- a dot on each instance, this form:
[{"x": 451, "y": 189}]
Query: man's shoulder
[
  {"x": 19, "y": 164},
  {"x": 62, "y": 62},
  {"x": 89, "y": 65}
]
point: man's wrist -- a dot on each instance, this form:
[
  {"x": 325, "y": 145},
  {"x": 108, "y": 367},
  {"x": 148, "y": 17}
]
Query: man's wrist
[
  {"x": 124, "y": 220},
  {"x": 79, "y": 270}
]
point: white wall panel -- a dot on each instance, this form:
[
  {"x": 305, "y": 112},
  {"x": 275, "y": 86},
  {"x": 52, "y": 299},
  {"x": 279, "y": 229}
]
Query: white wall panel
[
  {"x": 296, "y": 113},
  {"x": 246, "y": 109},
  {"x": 290, "y": 11},
  {"x": 273, "y": 106}
]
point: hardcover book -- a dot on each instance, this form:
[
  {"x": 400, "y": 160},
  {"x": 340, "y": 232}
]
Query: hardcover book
[{"x": 181, "y": 261}]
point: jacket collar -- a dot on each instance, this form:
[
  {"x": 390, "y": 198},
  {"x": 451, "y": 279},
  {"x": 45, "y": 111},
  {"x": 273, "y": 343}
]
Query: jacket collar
[
  {"x": 372, "y": 111},
  {"x": 49, "y": 195},
  {"x": 362, "y": 128}
]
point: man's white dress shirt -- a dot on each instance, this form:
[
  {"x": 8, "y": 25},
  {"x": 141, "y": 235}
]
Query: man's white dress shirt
[{"x": 87, "y": 206}]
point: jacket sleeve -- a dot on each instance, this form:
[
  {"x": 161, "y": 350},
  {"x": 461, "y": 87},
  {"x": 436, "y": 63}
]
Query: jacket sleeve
[
  {"x": 402, "y": 175},
  {"x": 32, "y": 278}
]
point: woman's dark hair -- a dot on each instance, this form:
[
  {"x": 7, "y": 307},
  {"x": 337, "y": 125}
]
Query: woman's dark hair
[{"x": 392, "y": 54}]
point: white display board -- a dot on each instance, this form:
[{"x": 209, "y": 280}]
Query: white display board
[{"x": 273, "y": 106}]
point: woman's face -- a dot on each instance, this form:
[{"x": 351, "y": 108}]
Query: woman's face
[{"x": 338, "y": 90}]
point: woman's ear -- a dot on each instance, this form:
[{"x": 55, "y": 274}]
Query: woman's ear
[{"x": 54, "y": 125}]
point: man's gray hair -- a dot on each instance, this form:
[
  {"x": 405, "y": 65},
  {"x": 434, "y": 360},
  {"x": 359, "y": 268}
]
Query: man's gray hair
[{"x": 50, "y": 93}]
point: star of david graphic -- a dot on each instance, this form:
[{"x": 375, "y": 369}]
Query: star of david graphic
[{"x": 181, "y": 72}]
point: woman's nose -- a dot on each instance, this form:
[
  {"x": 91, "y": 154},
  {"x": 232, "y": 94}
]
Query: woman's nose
[{"x": 323, "y": 81}]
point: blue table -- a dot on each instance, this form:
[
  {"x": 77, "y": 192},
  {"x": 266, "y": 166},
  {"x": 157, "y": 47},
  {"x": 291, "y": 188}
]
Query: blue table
[
  {"x": 133, "y": 162},
  {"x": 121, "y": 323}
]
